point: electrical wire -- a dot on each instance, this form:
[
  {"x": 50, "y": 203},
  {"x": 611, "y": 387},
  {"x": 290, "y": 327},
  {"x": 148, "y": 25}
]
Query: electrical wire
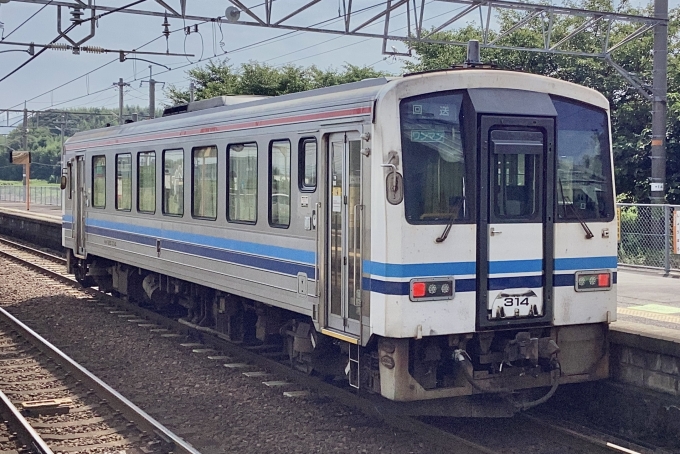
[
  {"x": 24, "y": 22},
  {"x": 260, "y": 43},
  {"x": 68, "y": 29}
]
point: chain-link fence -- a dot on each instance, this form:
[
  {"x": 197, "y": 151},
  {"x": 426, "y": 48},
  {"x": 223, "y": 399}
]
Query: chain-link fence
[
  {"x": 646, "y": 236},
  {"x": 40, "y": 195}
]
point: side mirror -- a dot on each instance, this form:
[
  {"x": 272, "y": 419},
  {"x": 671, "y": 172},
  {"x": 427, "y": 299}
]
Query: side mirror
[{"x": 63, "y": 182}]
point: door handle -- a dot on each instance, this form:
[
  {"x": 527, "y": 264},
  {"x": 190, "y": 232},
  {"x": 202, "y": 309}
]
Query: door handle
[{"x": 495, "y": 232}]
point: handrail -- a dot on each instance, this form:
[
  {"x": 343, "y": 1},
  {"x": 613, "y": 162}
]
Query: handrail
[
  {"x": 357, "y": 224},
  {"x": 315, "y": 224}
]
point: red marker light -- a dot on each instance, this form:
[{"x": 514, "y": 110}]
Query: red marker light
[
  {"x": 418, "y": 289},
  {"x": 603, "y": 280}
]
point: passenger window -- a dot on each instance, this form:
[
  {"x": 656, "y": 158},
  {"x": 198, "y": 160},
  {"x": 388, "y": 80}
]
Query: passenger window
[
  {"x": 99, "y": 181},
  {"x": 307, "y": 165},
  {"x": 242, "y": 171},
  {"x": 146, "y": 182},
  {"x": 124, "y": 182},
  {"x": 204, "y": 194},
  {"x": 279, "y": 183},
  {"x": 173, "y": 182}
]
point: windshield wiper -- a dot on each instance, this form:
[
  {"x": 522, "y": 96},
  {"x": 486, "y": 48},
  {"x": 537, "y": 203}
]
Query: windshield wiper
[
  {"x": 454, "y": 215},
  {"x": 565, "y": 200},
  {"x": 447, "y": 229}
]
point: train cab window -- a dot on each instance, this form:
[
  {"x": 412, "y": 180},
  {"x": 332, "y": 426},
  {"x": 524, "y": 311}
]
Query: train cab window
[
  {"x": 99, "y": 181},
  {"x": 242, "y": 171},
  {"x": 434, "y": 159},
  {"x": 124, "y": 182},
  {"x": 279, "y": 183},
  {"x": 584, "y": 176},
  {"x": 146, "y": 182},
  {"x": 307, "y": 165},
  {"x": 516, "y": 184},
  {"x": 204, "y": 192},
  {"x": 173, "y": 182}
]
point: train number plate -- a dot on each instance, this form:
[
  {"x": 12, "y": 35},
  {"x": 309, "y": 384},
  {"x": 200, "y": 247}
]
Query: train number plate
[{"x": 515, "y": 303}]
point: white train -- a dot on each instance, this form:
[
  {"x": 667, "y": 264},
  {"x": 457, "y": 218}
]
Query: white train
[{"x": 429, "y": 236}]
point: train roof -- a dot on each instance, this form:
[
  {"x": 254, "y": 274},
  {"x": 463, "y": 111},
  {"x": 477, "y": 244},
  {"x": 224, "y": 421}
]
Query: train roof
[{"x": 361, "y": 93}]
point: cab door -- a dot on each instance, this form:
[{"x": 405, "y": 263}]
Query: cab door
[
  {"x": 79, "y": 206},
  {"x": 515, "y": 257},
  {"x": 344, "y": 233}
]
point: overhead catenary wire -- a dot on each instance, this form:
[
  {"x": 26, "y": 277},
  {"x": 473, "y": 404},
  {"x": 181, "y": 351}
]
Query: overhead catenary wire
[
  {"x": 256, "y": 44},
  {"x": 24, "y": 22},
  {"x": 68, "y": 29}
]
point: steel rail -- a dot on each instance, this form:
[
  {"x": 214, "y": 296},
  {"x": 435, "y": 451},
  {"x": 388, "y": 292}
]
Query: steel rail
[
  {"x": 116, "y": 400},
  {"x": 370, "y": 406},
  {"x": 27, "y": 434}
]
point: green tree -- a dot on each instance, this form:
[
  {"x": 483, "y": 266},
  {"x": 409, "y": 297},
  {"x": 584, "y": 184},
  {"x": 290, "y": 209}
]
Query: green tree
[
  {"x": 631, "y": 116},
  {"x": 44, "y": 139},
  {"x": 253, "y": 78}
]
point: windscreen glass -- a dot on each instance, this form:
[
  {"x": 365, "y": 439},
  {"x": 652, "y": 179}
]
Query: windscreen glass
[
  {"x": 584, "y": 180},
  {"x": 434, "y": 162}
]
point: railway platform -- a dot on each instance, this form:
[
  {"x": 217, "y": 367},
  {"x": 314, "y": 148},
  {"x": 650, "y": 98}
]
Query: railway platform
[{"x": 41, "y": 225}]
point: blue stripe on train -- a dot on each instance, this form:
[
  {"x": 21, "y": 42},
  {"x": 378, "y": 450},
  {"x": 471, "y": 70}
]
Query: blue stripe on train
[
  {"x": 276, "y": 252},
  {"x": 244, "y": 253},
  {"x": 394, "y": 270},
  {"x": 211, "y": 253},
  {"x": 469, "y": 285}
]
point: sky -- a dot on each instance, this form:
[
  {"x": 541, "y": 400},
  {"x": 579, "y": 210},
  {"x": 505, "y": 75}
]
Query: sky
[{"x": 59, "y": 79}]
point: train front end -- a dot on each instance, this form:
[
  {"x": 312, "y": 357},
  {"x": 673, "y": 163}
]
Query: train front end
[{"x": 496, "y": 271}]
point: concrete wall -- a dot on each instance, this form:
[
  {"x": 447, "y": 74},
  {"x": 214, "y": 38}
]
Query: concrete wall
[
  {"x": 36, "y": 229},
  {"x": 645, "y": 356}
]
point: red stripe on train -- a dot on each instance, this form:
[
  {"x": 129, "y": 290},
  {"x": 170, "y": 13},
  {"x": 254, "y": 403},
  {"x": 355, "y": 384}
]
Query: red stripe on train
[{"x": 223, "y": 128}]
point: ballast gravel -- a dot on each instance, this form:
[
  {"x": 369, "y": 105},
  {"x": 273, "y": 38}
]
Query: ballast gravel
[{"x": 216, "y": 409}]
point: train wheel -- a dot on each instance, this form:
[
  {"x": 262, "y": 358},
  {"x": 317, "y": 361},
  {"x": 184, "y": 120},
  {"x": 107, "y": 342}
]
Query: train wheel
[{"x": 82, "y": 277}]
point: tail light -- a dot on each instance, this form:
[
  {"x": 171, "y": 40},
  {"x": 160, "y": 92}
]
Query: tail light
[
  {"x": 588, "y": 281},
  {"x": 429, "y": 289}
]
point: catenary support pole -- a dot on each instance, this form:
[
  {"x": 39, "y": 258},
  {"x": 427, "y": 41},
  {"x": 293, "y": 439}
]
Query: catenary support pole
[
  {"x": 659, "y": 88},
  {"x": 120, "y": 85}
]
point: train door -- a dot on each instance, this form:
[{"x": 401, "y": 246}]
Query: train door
[
  {"x": 344, "y": 233},
  {"x": 79, "y": 206},
  {"x": 516, "y": 184}
]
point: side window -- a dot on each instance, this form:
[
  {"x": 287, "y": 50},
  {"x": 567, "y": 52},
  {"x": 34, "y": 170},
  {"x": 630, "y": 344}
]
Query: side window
[
  {"x": 124, "y": 182},
  {"x": 279, "y": 183},
  {"x": 204, "y": 193},
  {"x": 173, "y": 182},
  {"x": 307, "y": 165},
  {"x": 146, "y": 182},
  {"x": 242, "y": 171},
  {"x": 99, "y": 181}
]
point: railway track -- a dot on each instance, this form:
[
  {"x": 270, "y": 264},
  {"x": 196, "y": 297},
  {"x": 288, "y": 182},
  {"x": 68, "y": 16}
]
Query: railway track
[
  {"x": 441, "y": 431},
  {"x": 56, "y": 405}
]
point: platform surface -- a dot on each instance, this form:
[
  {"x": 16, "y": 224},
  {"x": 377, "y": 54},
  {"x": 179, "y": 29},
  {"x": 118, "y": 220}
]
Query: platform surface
[
  {"x": 648, "y": 298},
  {"x": 50, "y": 212}
]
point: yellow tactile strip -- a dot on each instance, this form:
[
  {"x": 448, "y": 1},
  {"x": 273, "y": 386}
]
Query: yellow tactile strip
[{"x": 650, "y": 315}]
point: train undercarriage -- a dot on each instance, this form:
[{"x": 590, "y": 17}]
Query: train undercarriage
[{"x": 520, "y": 367}]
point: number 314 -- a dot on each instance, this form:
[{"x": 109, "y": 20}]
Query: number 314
[{"x": 516, "y": 301}]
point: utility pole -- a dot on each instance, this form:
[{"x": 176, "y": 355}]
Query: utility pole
[
  {"x": 120, "y": 85},
  {"x": 152, "y": 92},
  {"x": 659, "y": 91},
  {"x": 24, "y": 146},
  {"x": 24, "y": 133}
]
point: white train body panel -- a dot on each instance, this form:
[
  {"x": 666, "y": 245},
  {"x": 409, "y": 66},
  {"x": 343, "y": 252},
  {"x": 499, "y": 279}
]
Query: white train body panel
[{"x": 352, "y": 259}]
